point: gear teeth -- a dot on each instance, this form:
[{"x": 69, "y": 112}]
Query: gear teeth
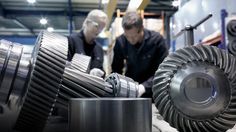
[
  {"x": 81, "y": 62},
  {"x": 49, "y": 59},
  {"x": 163, "y": 83},
  {"x": 231, "y": 30}
]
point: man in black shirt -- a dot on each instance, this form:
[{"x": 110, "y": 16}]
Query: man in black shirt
[
  {"x": 138, "y": 52},
  {"x": 84, "y": 42}
]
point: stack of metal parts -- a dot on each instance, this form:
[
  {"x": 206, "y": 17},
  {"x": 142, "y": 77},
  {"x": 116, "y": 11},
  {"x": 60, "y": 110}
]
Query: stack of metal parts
[
  {"x": 194, "y": 89},
  {"x": 231, "y": 35},
  {"x": 31, "y": 85}
]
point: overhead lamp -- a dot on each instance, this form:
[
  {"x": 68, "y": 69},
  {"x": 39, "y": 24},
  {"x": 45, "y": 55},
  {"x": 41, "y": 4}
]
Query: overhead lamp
[
  {"x": 31, "y": 1},
  {"x": 105, "y": 1},
  {"x": 176, "y": 3},
  {"x": 43, "y": 21},
  {"x": 50, "y": 29}
]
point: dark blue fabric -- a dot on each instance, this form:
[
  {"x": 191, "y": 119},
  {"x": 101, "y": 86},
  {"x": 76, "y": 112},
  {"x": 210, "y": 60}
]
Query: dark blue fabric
[
  {"x": 140, "y": 63},
  {"x": 77, "y": 44}
]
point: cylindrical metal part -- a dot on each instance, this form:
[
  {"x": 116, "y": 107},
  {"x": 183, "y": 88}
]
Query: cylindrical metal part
[
  {"x": 110, "y": 115},
  {"x": 189, "y": 36},
  {"x": 123, "y": 86}
]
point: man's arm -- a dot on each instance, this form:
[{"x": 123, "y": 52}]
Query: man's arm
[
  {"x": 97, "y": 61},
  {"x": 160, "y": 55},
  {"x": 118, "y": 59}
]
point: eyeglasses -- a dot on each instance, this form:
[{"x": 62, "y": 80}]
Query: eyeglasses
[{"x": 96, "y": 25}]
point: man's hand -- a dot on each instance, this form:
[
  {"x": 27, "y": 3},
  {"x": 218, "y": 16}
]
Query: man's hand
[
  {"x": 141, "y": 90},
  {"x": 96, "y": 72}
]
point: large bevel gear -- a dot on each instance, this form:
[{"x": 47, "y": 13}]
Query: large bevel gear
[
  {"x": 194, "y": 89},
  {"x": 48, "y": 63}
]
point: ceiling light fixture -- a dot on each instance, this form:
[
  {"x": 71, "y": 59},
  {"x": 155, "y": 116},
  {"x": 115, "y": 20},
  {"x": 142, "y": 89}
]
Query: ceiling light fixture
[
  {"x": 50, "y": 29},
  {"x": 31, "y": 1},
  {"x": 105, "y": 2},
  {"x": 43, "y": 21},
  {"x": 176, "y": 3}
]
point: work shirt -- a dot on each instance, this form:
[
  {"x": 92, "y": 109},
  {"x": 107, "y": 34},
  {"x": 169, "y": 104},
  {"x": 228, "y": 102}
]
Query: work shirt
[
  {"x": 77, "y": 44},
  {"x": 141, "y": 60}
]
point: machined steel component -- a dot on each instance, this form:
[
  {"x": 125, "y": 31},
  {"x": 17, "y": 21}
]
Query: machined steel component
[
  {"x": 30, "y": 85},
  {"x": 193, "y": 89},
  {"x": 110, "y": 114},
  {"x": 123, "y": 86},
  {"x": 48, "y": 63},
  {"x": 10, "y": 60},
  {"x": 77, "y": 84},
  {"x": 14, "y": 67}
]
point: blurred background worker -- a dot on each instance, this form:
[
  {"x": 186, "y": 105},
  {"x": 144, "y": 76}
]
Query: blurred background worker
[
  {"x": 84, "y": 42},
  {"x": 138, "y": 52}
]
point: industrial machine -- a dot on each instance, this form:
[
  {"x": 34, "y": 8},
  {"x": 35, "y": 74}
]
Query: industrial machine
[{"x": 32, "y": 86}]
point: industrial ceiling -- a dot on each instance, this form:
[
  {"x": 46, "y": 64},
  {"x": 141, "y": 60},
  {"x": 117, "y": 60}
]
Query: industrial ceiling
[{"x": 18, "y": 17}]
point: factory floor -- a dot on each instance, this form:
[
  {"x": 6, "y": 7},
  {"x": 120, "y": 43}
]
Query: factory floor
[{"x": 159, "y": 125}]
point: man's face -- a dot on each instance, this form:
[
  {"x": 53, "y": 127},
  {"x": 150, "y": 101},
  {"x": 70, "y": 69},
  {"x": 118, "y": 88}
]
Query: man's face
[
  {"x": 93, "y": 29},
  {"x": 134, "y": 35}
]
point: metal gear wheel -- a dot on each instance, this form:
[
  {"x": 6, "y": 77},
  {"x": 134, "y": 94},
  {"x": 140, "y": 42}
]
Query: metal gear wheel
[
  {"x": 47, "y": 67},
  {"x": 194, "y": 89}
]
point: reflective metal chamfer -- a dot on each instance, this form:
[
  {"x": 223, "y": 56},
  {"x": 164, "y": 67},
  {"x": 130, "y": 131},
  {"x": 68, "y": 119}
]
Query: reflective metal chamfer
[{"x": 110, "y": 115}]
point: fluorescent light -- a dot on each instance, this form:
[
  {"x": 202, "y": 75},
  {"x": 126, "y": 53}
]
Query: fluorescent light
[
  {"x": 105, "y": 1},
  {"x": 31, "y": 1},
  {"x": 50, "y": 29},
  {"x": 176, "y": 3},
  {"x": 43, "y": 21}
]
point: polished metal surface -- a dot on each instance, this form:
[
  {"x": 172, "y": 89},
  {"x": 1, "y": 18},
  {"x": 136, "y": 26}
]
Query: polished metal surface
[
  {"x": 110, "y": 115},
  {"x": 123, "y": 86},
  {"x": 14, "y": 71},
  {"x": 193, "y": 89},
  {"x": 9, "y": 73}
]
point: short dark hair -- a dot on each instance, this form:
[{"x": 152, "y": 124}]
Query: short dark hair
[{"x": 132, "y": 19}]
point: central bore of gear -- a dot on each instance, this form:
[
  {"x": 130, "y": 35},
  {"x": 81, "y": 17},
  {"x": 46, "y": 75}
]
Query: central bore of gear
[{"x": 199, "y": 90}]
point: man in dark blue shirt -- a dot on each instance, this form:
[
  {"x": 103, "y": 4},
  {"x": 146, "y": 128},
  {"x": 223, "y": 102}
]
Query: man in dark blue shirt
[
  {"x": 84, "y": 42},
  {"x": 138, "y": 52}
]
